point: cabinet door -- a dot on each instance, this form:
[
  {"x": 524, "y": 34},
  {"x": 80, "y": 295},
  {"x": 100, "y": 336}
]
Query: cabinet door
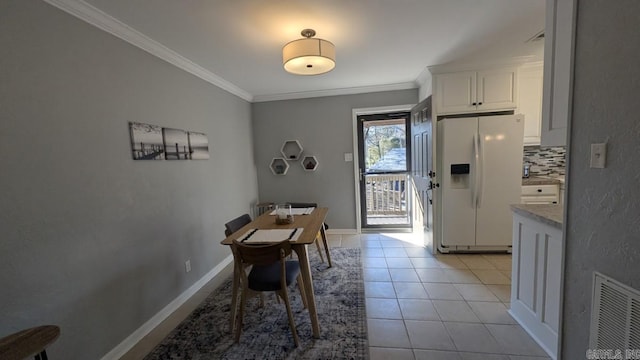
[
  {"x": 496, "y": 89},
  {"x": 536, "y": 280},
  {"x": 455, "y": 92},
  {"x": 558, "y": 74},
  {"x": 530, "y": 102}
]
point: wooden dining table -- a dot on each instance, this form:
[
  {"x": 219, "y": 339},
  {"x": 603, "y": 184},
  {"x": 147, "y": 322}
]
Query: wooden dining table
[{"x": 311, "y": 224}]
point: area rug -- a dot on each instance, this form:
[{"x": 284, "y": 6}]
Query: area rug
[{"x": 340, "y": 303}]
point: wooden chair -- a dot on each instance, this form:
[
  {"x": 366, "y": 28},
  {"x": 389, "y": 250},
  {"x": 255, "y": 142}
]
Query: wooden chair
[
  {"x": 318, "y": 236},
  {"x": 270, "y": 271},
  {"x": 229, "y": 228},
  {"x": 29, "y": 342}
]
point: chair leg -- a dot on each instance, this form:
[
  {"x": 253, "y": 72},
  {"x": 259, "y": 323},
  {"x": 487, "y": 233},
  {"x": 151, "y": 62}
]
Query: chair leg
[
  {"x": 234, "y": 299},
  {"x": 243, "y": 300},
  {"x": 317, "y": 241},
  {"x": 303, "y": 296},
  {"x": 285, "y": 298},
  {"x": 323, "y": 236}
]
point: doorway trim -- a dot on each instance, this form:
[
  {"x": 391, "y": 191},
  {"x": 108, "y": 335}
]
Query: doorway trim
[{"x": 356, "y": 166}]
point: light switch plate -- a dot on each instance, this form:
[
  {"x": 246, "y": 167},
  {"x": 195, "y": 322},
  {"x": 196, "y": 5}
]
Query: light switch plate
[
  {"x": 598, "y": 155},
  {"x": 348, "y": 157}
]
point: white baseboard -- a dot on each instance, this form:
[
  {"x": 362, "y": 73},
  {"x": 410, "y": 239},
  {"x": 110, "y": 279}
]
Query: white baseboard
[
  {"x": 342, "y": 232},
  {"x": 128, "y": 343}
]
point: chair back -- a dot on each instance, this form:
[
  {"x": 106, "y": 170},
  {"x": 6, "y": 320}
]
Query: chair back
[
  {"x": 298, "y": 205},
  {"x": 302, "y": 205},
  {"x": 236, "y": 224},
  {"x": 262, "y": 254}
]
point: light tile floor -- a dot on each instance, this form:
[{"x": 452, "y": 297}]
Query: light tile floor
[
  {"x": 419, "y": 306},
  {"x": 447, "y": 306}
]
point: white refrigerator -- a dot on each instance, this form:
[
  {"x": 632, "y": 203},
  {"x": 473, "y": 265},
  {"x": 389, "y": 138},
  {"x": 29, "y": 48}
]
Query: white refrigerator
[{"x": 481, "y": 176}]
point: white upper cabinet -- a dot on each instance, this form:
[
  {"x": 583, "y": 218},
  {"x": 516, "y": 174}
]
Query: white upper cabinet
[
  {"x": 475, "y": 91},
  {"x": 456, "y": 92},
  {"x": 497, "y": 89},
  {"x": 530, "y": 101},
  {"x": 558, "y": 72}
]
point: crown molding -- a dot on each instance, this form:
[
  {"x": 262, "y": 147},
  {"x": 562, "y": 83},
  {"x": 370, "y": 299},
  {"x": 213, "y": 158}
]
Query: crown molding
[
  {"x": 334, "y": 92},
  {"x": 105, "y": 22},
  {"x": 482, "y": 64},
  {"x": 423, "y": 77}
]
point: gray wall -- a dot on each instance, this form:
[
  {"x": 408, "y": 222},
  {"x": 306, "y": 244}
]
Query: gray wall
[
  {"x": 603, "y": 209},
  {"x": 324, "y": 127},
  {"x": 92, "y": 240}
]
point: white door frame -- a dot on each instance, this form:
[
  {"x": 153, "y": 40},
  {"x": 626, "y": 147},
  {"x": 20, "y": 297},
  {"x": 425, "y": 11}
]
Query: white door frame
[{"x": 356, "y": 165}]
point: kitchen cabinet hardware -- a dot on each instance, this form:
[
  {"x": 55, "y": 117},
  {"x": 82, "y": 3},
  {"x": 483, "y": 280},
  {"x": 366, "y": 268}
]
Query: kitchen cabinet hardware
[{"x": 540, "y": 194}]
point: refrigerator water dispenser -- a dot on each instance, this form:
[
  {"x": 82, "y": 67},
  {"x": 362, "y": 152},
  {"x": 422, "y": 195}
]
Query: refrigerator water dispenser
[{"x": 460, "y": 176}]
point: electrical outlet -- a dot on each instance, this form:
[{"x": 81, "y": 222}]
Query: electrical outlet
[
  {"x": 187, "y": 265},
  {"x": 598, "y": 155}
]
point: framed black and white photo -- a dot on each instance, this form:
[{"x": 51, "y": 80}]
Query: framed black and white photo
[
  {"x": 176, "y": 144},
  {"x": 146, "y": 141},
  {"x": 198, "y": 146}
]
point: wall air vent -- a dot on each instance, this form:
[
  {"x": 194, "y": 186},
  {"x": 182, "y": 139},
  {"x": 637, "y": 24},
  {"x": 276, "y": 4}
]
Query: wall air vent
[{"x": 615, "y": 316}]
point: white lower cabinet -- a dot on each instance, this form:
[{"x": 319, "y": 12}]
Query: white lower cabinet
[{"x": 536, "y": 280}]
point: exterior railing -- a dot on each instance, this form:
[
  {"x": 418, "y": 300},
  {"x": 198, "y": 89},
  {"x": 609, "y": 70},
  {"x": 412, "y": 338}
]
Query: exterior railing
[{"x": 386, "y": 194}]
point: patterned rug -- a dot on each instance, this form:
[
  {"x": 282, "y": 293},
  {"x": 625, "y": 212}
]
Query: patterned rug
[{"x": 340, "y": 302}]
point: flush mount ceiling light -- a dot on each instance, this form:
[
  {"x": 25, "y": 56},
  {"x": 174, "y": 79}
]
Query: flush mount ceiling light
[{"x": 309, "y": 56}]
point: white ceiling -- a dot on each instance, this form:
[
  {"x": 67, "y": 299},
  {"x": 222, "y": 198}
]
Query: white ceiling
[{"x": 379, "y": 43}]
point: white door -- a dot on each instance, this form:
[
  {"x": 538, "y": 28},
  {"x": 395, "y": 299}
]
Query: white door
[
  {"x": 422, "y": 162},
  {"x": 500, "y": 177},
  {"x": 458, "y": 209}
]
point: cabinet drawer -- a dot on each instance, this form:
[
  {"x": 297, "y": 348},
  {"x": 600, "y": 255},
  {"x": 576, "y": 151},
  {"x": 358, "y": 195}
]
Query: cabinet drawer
[
  {"x": 551, "y": 199},
  {"x": 540, "y": 190}
]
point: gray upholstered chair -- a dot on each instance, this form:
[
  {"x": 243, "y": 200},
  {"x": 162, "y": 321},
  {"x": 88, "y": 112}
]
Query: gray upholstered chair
[
  {"x": 236, "y": 224},
  {"x": 270, "y": 271}
]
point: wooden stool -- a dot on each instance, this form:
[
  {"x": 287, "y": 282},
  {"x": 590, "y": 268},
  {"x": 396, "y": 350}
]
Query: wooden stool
[{"x": 29, "y": 342}]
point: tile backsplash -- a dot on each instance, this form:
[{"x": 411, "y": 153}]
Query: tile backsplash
[{"x": 545, "y": 160}]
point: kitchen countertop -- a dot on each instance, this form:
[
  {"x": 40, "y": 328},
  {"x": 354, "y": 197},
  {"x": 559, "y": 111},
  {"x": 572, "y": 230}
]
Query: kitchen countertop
[
  {"x": 539, "y": 180},
  {"x": 550, "y": 214}
]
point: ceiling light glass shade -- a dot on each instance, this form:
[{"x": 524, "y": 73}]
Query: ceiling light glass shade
[{"x": 309, "y": 56}]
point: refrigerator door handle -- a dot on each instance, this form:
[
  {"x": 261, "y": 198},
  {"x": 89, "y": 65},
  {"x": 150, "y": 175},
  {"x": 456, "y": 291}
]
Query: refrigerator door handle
[
  {"x": 476, "y": 157},
  {"x": 480, "y": 170}
]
